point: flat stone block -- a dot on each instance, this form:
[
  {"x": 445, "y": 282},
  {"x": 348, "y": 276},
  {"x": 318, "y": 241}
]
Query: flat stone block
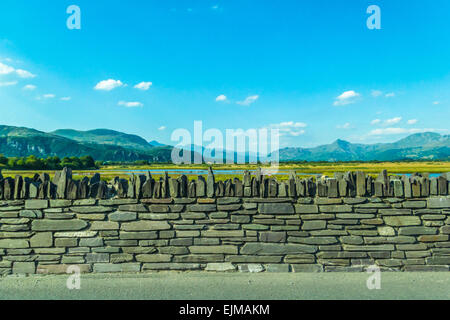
[
  {"x": 276, "y": 208},
  {"x": 220, "y": 266},
  {"x": 145, "y": 226},
  {"x": 63, "y": 268},
  {"x": 24, "y": 268},
  {"x": 153, "y": 257},
  {"x": 277, "y": 268},
  {"x": 276, "y": 249},
  {"x": 41, "y": 240},
  {"x": 14, "y": 243},
  {"x": 400, "y": 221},
  {"x": 306, "y": 268},
  {"x": 58, "y": 225},
  {"x": 225, "y": 249},
  {"x": 116, "y": 267},
  {"x": 252, "y": 268},
  {"x": 36, "y": 204}
]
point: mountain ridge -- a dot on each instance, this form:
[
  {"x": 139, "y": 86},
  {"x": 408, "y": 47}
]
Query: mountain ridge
[
  {"x": 417, "y": 146},
  {"x": 111, "y": 145},
  {"x": 105, "y": 136},
  {"x": 22, "y": 141}
]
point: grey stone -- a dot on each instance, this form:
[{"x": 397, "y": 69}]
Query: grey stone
[
  {"x": 224, "y": 249},
  {"x": 14, "y": 243},
  {"x": 171, "y": 266},
  {"x": 272, "y": 236},
  {"x": 220, "y": 266},
  {"x": 36, "y": 204},
  {"x": 277, "y": 268},
  {"x": 91, "y": 242},
  {"x": 314, "y": 225},
  {"x": 42, "y": 240},
  {"x": 145, "y": 226},
  {"x": 104, "y": 225},
  {"x": 153, "y": 257},
  {"x": 383, "y": 247},
  {"x": 91, "y": 209},
  {"x": 116, "y": 267},
  {"x": 97, "y": 257},
  {"x": 276, "y": 208},
  {"x": 438, "y": 202},
  {"x": 201, "y": 207},
  {"x": 274, "y": 249},
  {"x": 24, "y": 268},
  {"x": 138, "y": 235},
  {"x": 252, "y": 268},
  {"x": 122, "y": 216},
  {"x": 438, "y": 260},
  {"x": 58, "y": 225},
  {"x": 35, "y": 214},
  {"x": 398, "y": 188},
  {"x": 399, "y": 221},
  {"x": 307, "y": 268},
  {"x": 417, "y": 230},
  {"x": 210, "y": 184}
]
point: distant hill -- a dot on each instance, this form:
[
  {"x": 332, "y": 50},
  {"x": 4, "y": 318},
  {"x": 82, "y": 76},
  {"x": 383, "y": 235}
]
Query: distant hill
[
  {"x": 106, "y": 136},
  {"x": 427, "y": 145},
  {"x": 155, "y": 143},
  {"x": 100, "y": 144}
]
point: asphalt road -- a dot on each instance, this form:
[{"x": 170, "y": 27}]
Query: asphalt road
[{"x": 229, "y": 286}]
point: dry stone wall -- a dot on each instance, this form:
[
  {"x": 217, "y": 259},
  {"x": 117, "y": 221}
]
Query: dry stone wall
[{"x": 344, "y": 223}]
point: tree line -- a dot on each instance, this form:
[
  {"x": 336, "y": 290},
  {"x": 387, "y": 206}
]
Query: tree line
[{"x": 50, "y": 163}]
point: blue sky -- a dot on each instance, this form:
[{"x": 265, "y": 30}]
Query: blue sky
[{"x": 311, "y": 68}]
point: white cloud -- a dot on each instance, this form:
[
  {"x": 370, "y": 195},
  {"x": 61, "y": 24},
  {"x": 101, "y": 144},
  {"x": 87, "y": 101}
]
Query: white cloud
[
  {"x": 290, "y": 128},
  {"x": 130, "y": 104},
  {"x": 375, "y": 121},
  {"x": 66, "y": 98},
  {"x": 49, "y": 96},
  {"x": 29, "y": 87},
  {"x": 5, "y": 69},
  {"x": 436, "y": 102},
  {"x": 387, "y": 131},
  {"x": 293, "y": 124},
  {"x": 344, "y": 126},
  {"x": 376, "y": 93},
  {"x": 143, "y": 86},
  {"x": 412, "y": 121},
  {"x": 108, "y": 85},
  {"x": 348, "y": 97},
  {"x": 162, "y": 128},
  {"x": 8, "y": 84},
  {"x": 221, "y": 97},
  {"x": 390, "y": 95},
  {"x": 248, "y": 101},
  {"x": 394, "y": 131},
  {"x": 25, "y": 74},
  {"x": 392, "y": 121}
]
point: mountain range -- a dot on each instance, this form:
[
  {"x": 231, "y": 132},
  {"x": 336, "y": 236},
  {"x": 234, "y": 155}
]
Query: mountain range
[
  {"x": 101, "y": 144},
  {"x": 418, "y": 146},
  {"x": 110, "y": 145}
]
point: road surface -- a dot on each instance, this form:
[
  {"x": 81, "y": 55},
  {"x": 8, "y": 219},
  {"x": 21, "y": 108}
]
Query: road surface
[{"x": 226, "y": 286}]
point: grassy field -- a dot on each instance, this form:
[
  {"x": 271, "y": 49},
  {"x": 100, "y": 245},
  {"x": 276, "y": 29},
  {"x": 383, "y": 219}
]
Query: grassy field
[{"x": 304, "y": 169}]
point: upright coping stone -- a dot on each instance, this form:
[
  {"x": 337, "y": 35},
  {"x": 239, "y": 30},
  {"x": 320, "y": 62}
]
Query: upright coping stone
[{"x": 210, "y": 184}]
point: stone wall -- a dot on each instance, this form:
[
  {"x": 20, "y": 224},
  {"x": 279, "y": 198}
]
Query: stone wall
[{"x": 345, "y": 223}]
